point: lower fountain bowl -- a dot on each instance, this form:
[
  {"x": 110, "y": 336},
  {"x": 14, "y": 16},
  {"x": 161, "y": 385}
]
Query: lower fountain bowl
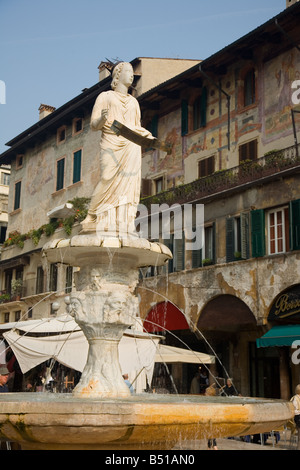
[{"x": 45, "y": 421}]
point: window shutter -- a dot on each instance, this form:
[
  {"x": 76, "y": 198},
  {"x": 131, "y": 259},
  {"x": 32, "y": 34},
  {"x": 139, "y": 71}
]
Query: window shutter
[
  {"x": 17, "y": 195},
  {"x": 196, "y": 258},
  {"x": 258, "y": 233},
  {"x": 154, "y": 126},
  {"x": 229, "y": 239},
  {"x": 184, "y": 117},
  {"x": 60, "y": 174},
  {"x": 214, "y": 243},
  {"x": 203, "y": 106},
  {"x": 179, "y": 253},
  {"x": 170, "y": 244},
  {"x": 77, "y": 166},
  {"x": 295, "y": 225},
  {"x": 244, "y": 235}
]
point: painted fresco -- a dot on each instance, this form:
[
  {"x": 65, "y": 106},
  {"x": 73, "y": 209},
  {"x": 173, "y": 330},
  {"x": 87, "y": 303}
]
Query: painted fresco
[{"x": 279, "y": 74}]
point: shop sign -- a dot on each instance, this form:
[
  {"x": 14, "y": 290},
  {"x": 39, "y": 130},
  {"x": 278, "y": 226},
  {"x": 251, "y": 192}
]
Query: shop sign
[{"x": 286, "y": 305}]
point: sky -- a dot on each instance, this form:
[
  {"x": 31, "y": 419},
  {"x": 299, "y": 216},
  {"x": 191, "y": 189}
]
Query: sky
[{"x": 50, "y": 50}]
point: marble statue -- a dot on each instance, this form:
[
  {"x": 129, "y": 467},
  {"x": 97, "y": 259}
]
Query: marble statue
[{"x": 114, "y": 202}]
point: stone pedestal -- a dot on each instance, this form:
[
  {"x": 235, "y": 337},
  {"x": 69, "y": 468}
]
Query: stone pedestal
[{"x": 104, "y": 303}]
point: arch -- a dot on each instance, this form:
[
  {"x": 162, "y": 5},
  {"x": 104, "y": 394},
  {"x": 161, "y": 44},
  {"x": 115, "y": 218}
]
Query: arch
[
  {"x": 165, "y": 316},
  {"x": 225, "y": 312}
]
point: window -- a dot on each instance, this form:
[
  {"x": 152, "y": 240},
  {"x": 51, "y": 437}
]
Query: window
[
  {"x": 206, "y": 167},
  {"x": 61, "y": 134},
  {"x": 60, "y": 174},
  {"x": 6, "y": 317},
  {"x": 39, "y": 280},
  {"x": 278, "y": 231},
  {"x": 249, "y": 88},
  {"x": 17, "y": 199},
  {"x": 77, "y": 125},
  {"x": 237, "y": 237},
  {"x": 177, "y": 247},
  {"x": 5, "y": 178},
  {"x": 205, "y": 255},
  {"x": 159, "y": 185},
  {"x": 53, "y": 277},
  {"x": 18, "y": 315},
  {"x": 19, "y": 161},
  {"x": 69, "y": 279},
  {"x": 199, "y": 110},
  {"x": 248, "y": 151},
  {"x": 76, "y": 166}
]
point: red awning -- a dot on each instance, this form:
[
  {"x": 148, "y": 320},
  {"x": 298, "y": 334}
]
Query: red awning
[{"x": 165, "y": 316}]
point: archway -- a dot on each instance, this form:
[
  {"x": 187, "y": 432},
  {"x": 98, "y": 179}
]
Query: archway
[
  {"x": 225, "y": 313},
  {"x": 231, "y": 329},
  {"x": 169, "y": 321}
]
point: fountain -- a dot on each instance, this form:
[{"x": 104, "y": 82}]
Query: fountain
[{"x": 101, "y": 413}]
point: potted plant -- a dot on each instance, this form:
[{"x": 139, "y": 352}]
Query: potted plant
[{"x": 16, "y": 287}]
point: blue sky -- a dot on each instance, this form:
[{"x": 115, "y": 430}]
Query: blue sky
[{"x": 50, "y": 50}]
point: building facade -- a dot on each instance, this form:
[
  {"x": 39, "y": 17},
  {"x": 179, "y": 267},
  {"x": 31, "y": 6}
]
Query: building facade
[{"x": 233, "y": 124}]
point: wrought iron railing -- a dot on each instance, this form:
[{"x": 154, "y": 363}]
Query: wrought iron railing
[{"x": 248, "y": 171}]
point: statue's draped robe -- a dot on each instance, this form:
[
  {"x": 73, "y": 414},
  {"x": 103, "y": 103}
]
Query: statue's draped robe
[{"x": 117, "y": 195}]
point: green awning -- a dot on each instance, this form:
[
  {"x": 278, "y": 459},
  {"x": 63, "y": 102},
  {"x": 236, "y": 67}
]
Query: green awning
[{"x": 283, "y": 335}]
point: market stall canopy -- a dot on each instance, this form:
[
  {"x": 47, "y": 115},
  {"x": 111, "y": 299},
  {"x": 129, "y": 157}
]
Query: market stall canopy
[
  {"x": 283, "y": 335},
  {"x": 136, "y": 350},
  {"x": 170, "y": 354}
]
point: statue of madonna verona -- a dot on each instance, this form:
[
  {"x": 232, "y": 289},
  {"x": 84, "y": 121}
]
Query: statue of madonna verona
[{"x": 115, "y": 199}]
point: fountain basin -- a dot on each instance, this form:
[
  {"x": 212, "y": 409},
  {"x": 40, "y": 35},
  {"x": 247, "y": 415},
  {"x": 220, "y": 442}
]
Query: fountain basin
[{"x": 45, "y": 421}]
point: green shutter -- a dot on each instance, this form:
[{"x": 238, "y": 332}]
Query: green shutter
[
  {"x": 17, "y": 195},
  {"x": 196, "y": 256},
  {"x": 295, "y": 224},
  {"x": 179, "y": 258},
  {"x": 184, "y": 117},
  {"x": 244, "y": 235},
  {"x": 258, "y": 233},
  {"x": 60, "y": 174},
  {"x": 203, "y": 107},
  {"x": 169, "y": 242},
  {"x": 154, "y": 126},
  {"x": 230, "y": 239},
  {"x": 77, "y": 166}
]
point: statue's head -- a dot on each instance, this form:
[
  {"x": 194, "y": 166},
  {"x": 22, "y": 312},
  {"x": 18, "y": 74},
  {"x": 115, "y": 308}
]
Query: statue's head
[{"x": 117, "y": 73}]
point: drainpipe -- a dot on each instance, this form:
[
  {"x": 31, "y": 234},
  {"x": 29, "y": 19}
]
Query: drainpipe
[{"x": 228, "y": 101}]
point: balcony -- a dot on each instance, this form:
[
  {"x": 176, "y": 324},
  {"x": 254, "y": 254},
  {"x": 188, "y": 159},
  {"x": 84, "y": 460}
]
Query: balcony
[{"x": 279, "y": 162}]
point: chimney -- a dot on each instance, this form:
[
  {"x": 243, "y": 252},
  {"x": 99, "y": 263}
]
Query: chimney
[
  {"x": 45, "y": 110},
  {"x": 290, "y": 2},
  {"x": 104, "y": 70}
]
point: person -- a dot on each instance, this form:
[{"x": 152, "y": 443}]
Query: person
[
  {"x": 128, "y": 383},
  {"x": 4, "y": 377},
  {"x": 203, "y": 380},
  {"x": 296, "y": 402},
  {"x": 195, "y": 384},
  {"x": 228, "y": 390},
  {"x": 117, "y": 195}
]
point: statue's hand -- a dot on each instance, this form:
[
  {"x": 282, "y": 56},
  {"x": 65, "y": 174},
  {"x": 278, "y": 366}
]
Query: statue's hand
[{"x": 104, "y": 115}]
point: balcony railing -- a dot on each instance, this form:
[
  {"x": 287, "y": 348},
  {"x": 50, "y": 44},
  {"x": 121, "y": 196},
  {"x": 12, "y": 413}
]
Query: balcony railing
[{"x": 248, "y": 171}]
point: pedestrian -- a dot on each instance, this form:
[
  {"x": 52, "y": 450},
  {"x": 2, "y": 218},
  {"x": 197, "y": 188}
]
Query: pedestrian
[
  {"x": 296, "y": 402},
  {"x": 128, "y": 383},
  {"x": 4, "y": 376},
  {"x": 195, "y": 384},
  {"x": 228, "y": 390}
]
